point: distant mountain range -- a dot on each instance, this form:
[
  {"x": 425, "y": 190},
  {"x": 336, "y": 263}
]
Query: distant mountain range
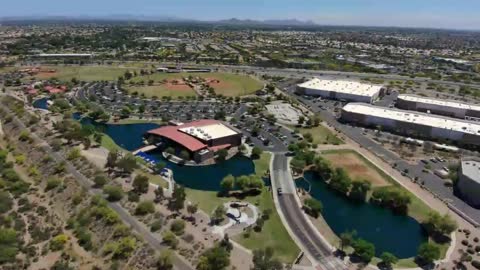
[{"x": 169, "y": 19}]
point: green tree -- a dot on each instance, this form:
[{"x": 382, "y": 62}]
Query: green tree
[
  {"x": 388, "y": 259},
  {"x": 216, "y": 258},
  {"x": 256, "y": 152},
  {"x": 221, "y": 155},
  {"x": 347, "y": 239},
  {"x": 227, "y": 184},
  {"x": 112, "y": 159},
  {"x": 177, "y": 201},
  {"x": 219, "y": 214},
  {"x": 442, "y": 225},
  {"x": 127, "y": 163},
  {"x": 192, "y": 208},
  {"x": 140, "y": 184},
  {"x": 100, "y": 180},
  {"x": 340, "y": 181},
  {"x": 145, "y": 207},
  {"x": 184, "y": 155},
  {"x": 170, "y": 239},
  {"x": 178, "y": 227},
  {"x": 428, "y": 252},
  {"x": 263, "y": 259},
  {"x": 364, "y": 249},
  {"x": 313, "y": 207},
  {"x": 159, "y": 166},
  {"x": 164, "y": 261},
  {"x": 360, "y": 190},
  {"x": 114, "y": 193}
]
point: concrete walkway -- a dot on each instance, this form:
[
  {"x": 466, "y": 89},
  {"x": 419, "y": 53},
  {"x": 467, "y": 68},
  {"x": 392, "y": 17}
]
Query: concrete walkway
[{"x": 240, "y": 217}]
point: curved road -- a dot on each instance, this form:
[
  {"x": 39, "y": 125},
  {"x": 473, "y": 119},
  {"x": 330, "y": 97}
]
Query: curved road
[{"x": 301, "y": 229}]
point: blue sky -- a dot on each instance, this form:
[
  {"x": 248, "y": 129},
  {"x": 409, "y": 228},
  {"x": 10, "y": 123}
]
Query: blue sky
[{"x": 457, "y": 14}]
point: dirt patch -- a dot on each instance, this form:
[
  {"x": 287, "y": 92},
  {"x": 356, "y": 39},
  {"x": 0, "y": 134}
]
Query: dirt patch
[
  {"x": 177, "y": 87},
  {"x": 356, "y": 168}
]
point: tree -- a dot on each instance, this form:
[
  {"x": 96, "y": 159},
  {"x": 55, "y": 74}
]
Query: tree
[
  {"x": 263, "y": 259},
  {"x": 227, "y": 184},
  {"x": 301, "y": 119},
  {"x": 170, "y": 150},
  {"x": 140, "y": 184},
  {"x": 170, "y": 239},
  {"x": 178, "y": 226},
  {"x": 164, "y": 261},
  {"x": 216, "y": 258},
  {"x": 225, "y": 243},
  {"x": 364, "y": 249},
  {"x": 360, "y": 190},
  {"x": 159, "y": 193},
  {"x": 347, "y": 239},
  {"x": 428, "y": 252},
  {"x": 340, "y": 181},
  {"x": 159, "y": 166},
  {"x": 9, "y": 245},
  {"x": 127, "y": 163},
  {"x": 313, "y": 207},
  {"x": 99, "y": 180},
  {"x": 112, "y": 159},
  {"x": 114, "y": 193},
  {"x": 58, "y": 242},
  {"x": 256, "y": 152},
  {"x": 222, "y": 155},
  {"x": 184, "y": 155},
  {"x": 145, "y": 207},
  {"x": 218, "y": 214},
  {"x": 177, "y": 201},
  {"x": 192, "y": 208},
  {"x": 97, "y": 137},
  {"x": 442, "y": 225},
  {"x": 388, "y": 259}
]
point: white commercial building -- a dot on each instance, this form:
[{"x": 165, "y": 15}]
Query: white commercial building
[
  {"x": 341, "y": 90},
  {"x": 469, "y": 180},
  {"x": 438, "y": 106},
  {"x": 413, "y": 124}
]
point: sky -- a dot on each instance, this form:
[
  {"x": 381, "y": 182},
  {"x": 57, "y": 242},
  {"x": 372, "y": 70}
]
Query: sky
[{"x": 451, "y": 14}]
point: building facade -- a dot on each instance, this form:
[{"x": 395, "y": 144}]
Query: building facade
[
  {"x": 468, "y": 184},
  {"x": 438, "y": 106},
  {"x": 413, "y": 124}
]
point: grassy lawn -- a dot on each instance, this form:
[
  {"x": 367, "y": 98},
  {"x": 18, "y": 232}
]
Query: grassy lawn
[
  {"x": 160, "y": 91},
  {"x": 321, "y": 135},
  {"x": 230, "y": 84},
  {"x": 136, "y": 121},
  {"x": 83, "y": 73},
  {"x": 273, "y": 233},
  {"x": 153, "y": 178},
  {"x": 108, "y": 143}
]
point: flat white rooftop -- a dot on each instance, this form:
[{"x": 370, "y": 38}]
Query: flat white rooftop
[
  {"x": 209, "y": 132},
  {"x": 340, "y": 86},
  {"x": 471, "y": 169},
  {"x": 445, "y": 103},
  {"x": 425, "y": 119}
]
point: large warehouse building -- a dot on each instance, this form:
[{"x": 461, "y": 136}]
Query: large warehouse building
[
  {"x": 341, "y": 90},
  {"x": 200, "y": 138},
  {"x": 414, "y": 124},
  {"x": 438, "y": 106},
  {"x": 469, "y": 181}
]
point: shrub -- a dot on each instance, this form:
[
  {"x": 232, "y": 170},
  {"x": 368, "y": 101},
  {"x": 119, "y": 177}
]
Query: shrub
[
  {"x": 145, "y": 207},
  {"x": 156, "y": 225},
  {"x": 58, "y": 242},
  {"x": 114, "y": 193},
  {"x": 170, "y": 239},
  {"x": 178, "y": 226},
  {"x": 52, "y": 183}
]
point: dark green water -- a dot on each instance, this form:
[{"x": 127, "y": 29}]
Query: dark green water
[
  {"x": 400, "y": 235},
  {"x": 209, "y": 177},
  {"x": 127, "y": 136}
]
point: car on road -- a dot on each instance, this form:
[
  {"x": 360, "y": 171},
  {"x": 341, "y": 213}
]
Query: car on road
[{"x": 279, "y": 191}]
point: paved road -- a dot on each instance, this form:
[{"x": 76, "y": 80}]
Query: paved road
[
  {"x": 307, "y": 235},
  {"x": 150, "y": 238}
]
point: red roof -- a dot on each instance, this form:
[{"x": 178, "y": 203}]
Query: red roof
[{"x": 173, "y": 133}]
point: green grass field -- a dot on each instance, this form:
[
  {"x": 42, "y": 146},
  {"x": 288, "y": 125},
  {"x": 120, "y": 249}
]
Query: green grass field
[
  {"x": 321, "y": 135},
  {"x": 159, "y": 91},
  {"x": 273, "y": 234},
  {"x": 83, "y": 73},
  {"x": 230, "y": 84}
]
